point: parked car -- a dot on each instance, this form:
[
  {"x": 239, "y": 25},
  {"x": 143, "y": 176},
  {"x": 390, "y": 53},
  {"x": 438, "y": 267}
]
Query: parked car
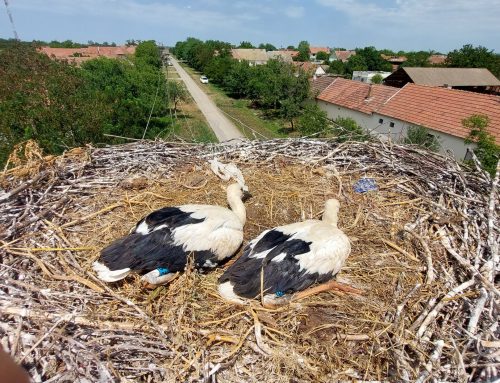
[{"x": 204, "y": 79}]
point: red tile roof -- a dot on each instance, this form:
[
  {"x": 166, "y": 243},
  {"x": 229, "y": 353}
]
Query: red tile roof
[
  {"x": 344, "y": 55},
  {"x": 290, "y": 52},
  {"x": 307, "y": 66},
  {"x": 319, "y": 84},
  {"x": 394, "y": 59},
  {"x": 442, "y": 109},
  {"x": 437, "y": 59},
  {"x": 357, "y": 95},
  {"x": 316, "y": 50}
]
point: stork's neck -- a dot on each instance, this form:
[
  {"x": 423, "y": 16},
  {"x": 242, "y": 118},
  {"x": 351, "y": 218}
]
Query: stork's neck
[
  {"x": 331, "y": 212},
  {"x": 330, "y": 217},
  {"x": 238, "y": 207}
]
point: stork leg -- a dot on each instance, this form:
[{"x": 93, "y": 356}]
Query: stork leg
[
  {"x": 330, "y": 285},
  {"x": 157, "y": 277}
]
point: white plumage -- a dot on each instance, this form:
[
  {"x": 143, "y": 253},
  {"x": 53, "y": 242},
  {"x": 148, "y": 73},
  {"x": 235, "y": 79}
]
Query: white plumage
[
  {"x": 290, "y": 258},
  {"x": 160, "y": 243}
]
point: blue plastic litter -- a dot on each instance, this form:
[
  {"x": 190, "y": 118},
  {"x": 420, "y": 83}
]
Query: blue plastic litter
[
  {"x": 163, "y": 271},
  {"x": 365, "y": 185}
]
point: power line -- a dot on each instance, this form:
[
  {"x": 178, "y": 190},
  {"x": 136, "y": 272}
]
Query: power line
[{"x": 11, "y": 19}]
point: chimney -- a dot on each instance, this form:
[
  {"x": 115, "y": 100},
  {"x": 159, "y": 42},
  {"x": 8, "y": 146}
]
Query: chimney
[{"x": 370, "y": 90}]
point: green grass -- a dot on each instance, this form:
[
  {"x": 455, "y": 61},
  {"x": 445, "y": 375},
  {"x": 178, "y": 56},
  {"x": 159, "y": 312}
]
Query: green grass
[{"x": 251, "y": 122}]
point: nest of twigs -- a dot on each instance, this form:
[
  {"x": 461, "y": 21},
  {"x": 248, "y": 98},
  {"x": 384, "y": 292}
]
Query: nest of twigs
[{"x": 424, "y": 254}]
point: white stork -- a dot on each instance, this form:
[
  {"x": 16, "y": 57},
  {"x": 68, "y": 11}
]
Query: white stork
[
  {"x": 160, "y": 243},
  {"x": 287, "y": 259}
]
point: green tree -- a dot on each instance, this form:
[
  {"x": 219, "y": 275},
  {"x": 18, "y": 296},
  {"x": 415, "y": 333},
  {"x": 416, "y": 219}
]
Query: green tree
[
  {"x": 267, "y": 47},
  {"x": 246, "y": 45},
  {"x": 373, "y": 59},
  {"x": 312, "y": 121},
  {"x": 237, "y": 80},
  {"x": 377, "y": 79},
  {"x": 419, "y": 135},
  {"x": 487, "y": 151},
  {"x": 218, "y": 68},
  {"x": 322, "y": 56},
  {"x": 134, "y": 89},
  {"x": 304, "y": 51},
  {"x": 474, "y": 57},
  {"x": 347, "y": 129},
  {"x": 356, "y": 62},
  {"x": 176, "y": 92},
  {"x": 148, "y": 53},
  {"x": 48, "y": 101},
  {"x": 337, "y": 67},
  {"x": 417, "y": 59}
]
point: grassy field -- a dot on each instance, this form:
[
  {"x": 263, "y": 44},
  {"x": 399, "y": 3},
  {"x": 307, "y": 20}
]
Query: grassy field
[
  {"x": 191, "y": 124},
  {"x": 251, "y": 122}
]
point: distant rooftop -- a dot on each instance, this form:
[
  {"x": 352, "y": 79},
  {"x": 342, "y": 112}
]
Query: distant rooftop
[
  {"x": 316, "y": 50},
  {"x": 344, "y": 55},
  {"x": 249, "y": 54},
  {"x": 449, "y": 76}
]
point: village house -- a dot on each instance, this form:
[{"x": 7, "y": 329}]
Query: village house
[
  {"x": 472, "y": 79},
  {"x": 313, "y": 51},
  {"x": 342, "y": 55},
  {"x": 79, "y": 55},
  {"x": 253, "y": 56},
  {"x": 395, "y": 61},
  {"x": 437, "y": 59},
  {"x": 389, "y": 112},
  {"x": 283, "y": 55},
  {"x": 367, "y": 75},
  {"x": 312, "y": 69}
]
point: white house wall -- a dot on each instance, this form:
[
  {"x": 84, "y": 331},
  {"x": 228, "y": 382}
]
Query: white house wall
[
  {"x": 333, "y": 111},
  {"x": 371, "y": 123}
]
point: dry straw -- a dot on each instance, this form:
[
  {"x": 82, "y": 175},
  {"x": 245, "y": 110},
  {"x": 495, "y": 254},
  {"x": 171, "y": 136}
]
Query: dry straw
[{"x": 424, "y": 255}]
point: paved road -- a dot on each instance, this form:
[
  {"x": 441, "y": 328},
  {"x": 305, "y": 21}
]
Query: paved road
[{"x": 220, "y": 124}]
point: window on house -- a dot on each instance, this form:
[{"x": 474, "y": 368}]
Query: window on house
[
  {"x": 391, "y": 124},
  {"x": 380, "y": 120}
]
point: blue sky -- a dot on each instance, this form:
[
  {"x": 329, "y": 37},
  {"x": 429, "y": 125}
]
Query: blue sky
[{"x": 441, "y": 25}]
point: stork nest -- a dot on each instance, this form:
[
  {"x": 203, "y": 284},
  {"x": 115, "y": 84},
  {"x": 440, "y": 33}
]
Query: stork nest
[{"x": 424, "y": 254}]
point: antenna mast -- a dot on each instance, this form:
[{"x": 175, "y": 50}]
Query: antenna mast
[{"x": 11, "y": 19}]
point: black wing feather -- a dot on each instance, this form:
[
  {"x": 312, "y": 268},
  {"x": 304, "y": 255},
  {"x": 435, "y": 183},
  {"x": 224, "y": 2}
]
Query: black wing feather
[
  {"x": 283, "y": 276},
  {"x": 171, "y": 216},
  {"x": 145, "y": 252}
]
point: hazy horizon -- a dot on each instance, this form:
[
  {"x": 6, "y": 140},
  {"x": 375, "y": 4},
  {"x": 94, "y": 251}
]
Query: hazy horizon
[{"x": 408, "y": 25}]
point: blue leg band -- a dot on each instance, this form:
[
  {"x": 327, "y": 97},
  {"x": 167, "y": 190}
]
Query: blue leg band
[{"x": 163, "y": 271}]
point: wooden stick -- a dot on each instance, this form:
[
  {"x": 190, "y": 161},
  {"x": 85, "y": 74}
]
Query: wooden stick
[
  {"x": 95, "y": 214},
  {"x": 20, "y": 188},
  {"x": 402, "y": 251}
]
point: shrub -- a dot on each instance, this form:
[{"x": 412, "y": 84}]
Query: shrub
[
  {"x": 487, "y": 151},
  {"x": 419, "y": 135},
  {"x": 347, "y": 129},
  {"x": 313, "y": 120}
]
